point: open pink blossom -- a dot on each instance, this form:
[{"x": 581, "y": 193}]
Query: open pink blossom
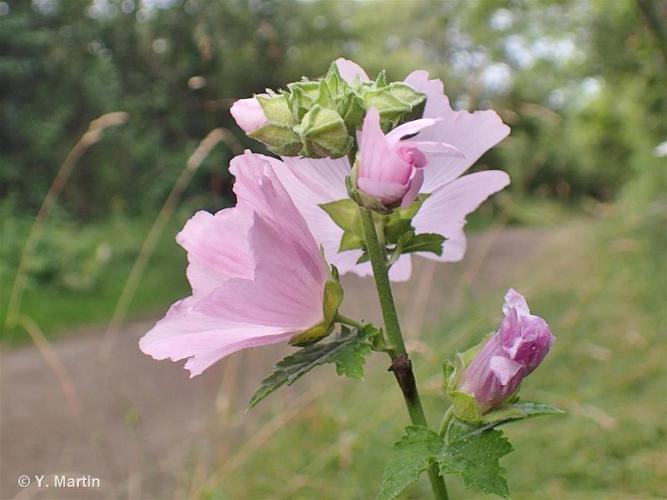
[
  {"x": 248, "y": 114},
  {"x": 392, "y": 170},
  {"x": 451, "y": 197},
  {"x": 517, "y": 348},
  {"x": 256, "y": 272}
]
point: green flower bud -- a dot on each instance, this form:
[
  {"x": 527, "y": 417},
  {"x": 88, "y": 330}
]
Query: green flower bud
[
  {"x": 278, "y": 134},
  {"x": 323, "y": 134}
]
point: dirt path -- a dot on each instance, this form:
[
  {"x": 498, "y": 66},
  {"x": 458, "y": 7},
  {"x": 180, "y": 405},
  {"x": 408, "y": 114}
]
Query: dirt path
[{"x": 145, "y": 430}]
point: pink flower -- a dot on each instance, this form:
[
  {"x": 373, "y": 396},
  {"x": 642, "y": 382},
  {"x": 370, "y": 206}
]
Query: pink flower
[
  {"x": 517, "y": 348},
  {"x": 392, "y": 170},
  {"x": 257, "y": 275},
  {"x": 248, "y": 114},
  {"x": 452, "y": 196}
]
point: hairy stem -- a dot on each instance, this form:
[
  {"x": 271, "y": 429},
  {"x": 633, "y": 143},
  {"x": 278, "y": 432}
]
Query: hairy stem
[{"x": 400, "y": 362}]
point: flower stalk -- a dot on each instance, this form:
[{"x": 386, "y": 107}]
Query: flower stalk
[{"x": 401, "y": 364}]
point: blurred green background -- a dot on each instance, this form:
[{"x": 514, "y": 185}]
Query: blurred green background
[{"x": 583, "y": 84}]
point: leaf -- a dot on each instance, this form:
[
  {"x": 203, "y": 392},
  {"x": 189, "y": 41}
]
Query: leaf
[
  {"x": 477, "y": 458},
  {"x": 410, "y": 457},
  {"x": 345, "y": 213},
  {"x": 347, "y": 350},
  {"x": 424, "y": 242},
  {"x": 519, "y": 411}
]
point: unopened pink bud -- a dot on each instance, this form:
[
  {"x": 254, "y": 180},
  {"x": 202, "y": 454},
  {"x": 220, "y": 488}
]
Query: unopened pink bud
[
  {"x": 517, "y": 348},
  {"x": 249, "y": 114}
]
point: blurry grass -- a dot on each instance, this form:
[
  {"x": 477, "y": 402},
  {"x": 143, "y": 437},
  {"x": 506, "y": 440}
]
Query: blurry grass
[
  {"x": 601, "y": 285},
  {"x": 79, "y": 271}
]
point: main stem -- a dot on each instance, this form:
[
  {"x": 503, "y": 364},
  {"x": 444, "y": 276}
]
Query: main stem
[{"x": 401, "y": 365}]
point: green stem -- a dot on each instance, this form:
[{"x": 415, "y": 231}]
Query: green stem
[
  {"x": 348, "y": 321},
  {"x": 401, "y": 365},
  {"x": 446, "y": 420}
]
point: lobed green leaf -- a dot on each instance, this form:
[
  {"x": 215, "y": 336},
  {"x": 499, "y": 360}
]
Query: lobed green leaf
[
  {"x": 410, "y": 457},
  {"x": 348, "y": 350}
]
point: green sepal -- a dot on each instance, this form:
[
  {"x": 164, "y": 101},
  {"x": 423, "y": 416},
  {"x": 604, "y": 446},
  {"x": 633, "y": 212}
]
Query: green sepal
[
  {"x": 333, "y": 297},
  {"x": 345, "y": 214},
  {"x": 301, "y": 97},
  {"x": 351, "y": 108},
  {"x": 277, "y": 110},
  {"x": 280, "y": 140},
  {"x": 323, "y": 133},
  {"x": 406, "y": 94},
  {"x": 465, "y": 406},
  {"x": 390, "y": 108}
]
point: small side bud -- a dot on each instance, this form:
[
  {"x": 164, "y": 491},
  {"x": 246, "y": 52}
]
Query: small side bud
[
  {"x": 277, "y": 133},
  {"x": 249, "y": 114},
  {"x": 490, "y": 375}
]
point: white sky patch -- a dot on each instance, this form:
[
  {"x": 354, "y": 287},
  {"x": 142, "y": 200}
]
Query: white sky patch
[
  {"x": 501, "y": 20},
  {"x": 497, "y": 77},
  {"x": 660, "y": 150},
  {"x": 525, "y": 52}
]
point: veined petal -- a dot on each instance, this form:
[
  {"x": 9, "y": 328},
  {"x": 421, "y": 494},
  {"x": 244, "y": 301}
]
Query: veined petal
[
  {"x": 408, "y": 128},
  {"x": 311, "y": 183},
  {"x": 184, "y": 333},
  {"x": 217, "y": 248},
  {"x": 472, "y": 133},
  {"x": 445, "y": 211},
  {"x": 258, "y": 187},
  {"x": 349, "y": 70}
]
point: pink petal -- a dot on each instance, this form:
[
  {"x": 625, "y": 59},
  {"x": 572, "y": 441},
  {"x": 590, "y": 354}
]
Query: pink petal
[
  {"x": 217, "y": 248},
  {"x": 415, "y": 185},
  {"x": 504, "y": 369},
  {"x": 386, "y": 191},
  {"x": 514, "y": 299},
  {"x": 285, "y": 292},
  {"x": 472, "y": 133},
  {"x": 258, "y": 187},
  {"x": 445, "y": 211},
  {"x": 379, "y": 159},
  {"x": 248, "y": 114},
  {"x": 184, "y": 333},
  {"x": 349, "y": 70},
  {"x": 408, "y": 128},
  {"x": 311, "y": 183}
]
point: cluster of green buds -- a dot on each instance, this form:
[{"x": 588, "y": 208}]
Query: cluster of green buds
[{"x": 319, "y": 118}]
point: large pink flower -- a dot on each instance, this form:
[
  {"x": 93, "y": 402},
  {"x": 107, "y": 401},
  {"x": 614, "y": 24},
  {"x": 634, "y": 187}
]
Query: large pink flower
[
  {"x": 256, "y": 272},
  {"x": 452, "y": 196}
]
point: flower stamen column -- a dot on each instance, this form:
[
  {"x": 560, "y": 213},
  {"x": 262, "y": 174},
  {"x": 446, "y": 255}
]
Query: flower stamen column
[{"x": 401, "y": 365}]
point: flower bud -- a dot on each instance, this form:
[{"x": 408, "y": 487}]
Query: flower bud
[
  {"x": 511, "y": 354},
  {"x": 323, "y": 134},
  {"x": 249, "y": 114},
  {"x": 390, "y": 171},
  {"x": 268, "y": 119}
]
